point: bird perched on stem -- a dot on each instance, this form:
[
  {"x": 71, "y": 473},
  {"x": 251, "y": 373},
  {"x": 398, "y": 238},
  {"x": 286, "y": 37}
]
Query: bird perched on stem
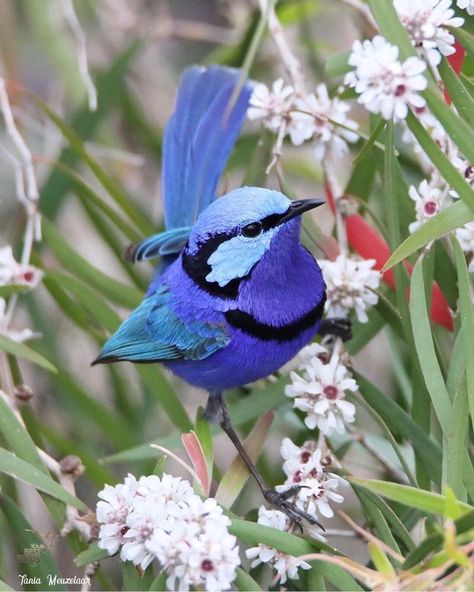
[{"x": 236, "y": 295}]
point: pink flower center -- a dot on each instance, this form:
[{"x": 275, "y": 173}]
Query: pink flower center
[
  {"x": 431, "y": 207},
  {"x": 28, "y": 276},
  {"x": 124, "y": 530},
  {"x": 305, "y": 456},
  {"x": 207, "y": 565},
  {"x": 297, "y": 477},
  {"x": 331, "y": 392},
  {"x": 400, "y": 90}
]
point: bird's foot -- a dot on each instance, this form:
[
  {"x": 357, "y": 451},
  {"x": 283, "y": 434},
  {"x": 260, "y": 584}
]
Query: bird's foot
[
  {"x": 338, "y": 327},
  {"x": 280, "y": 501}
]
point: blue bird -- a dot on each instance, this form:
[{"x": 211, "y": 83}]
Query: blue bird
[{"x": 236, "y": 295}]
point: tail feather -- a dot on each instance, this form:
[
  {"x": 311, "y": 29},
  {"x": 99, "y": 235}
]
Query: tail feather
[{"x": 198, "y": 140}]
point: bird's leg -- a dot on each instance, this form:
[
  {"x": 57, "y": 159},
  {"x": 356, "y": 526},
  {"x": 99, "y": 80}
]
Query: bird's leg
[
  {"x": 216, "y": 412},
  {"x": 336, "y": 326}
]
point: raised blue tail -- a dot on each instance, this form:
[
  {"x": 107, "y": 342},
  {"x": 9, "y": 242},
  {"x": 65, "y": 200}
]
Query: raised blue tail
[{"x": 198, "y": 140}]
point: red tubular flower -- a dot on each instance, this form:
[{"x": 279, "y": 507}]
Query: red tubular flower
[
  {"x": 456, "y": 61},
  {"x": 369, "y": 244}
]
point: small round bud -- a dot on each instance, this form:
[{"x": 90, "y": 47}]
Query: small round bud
[
  {"x": 72, "y": 465},
  {"x": 23, "y": 393}
]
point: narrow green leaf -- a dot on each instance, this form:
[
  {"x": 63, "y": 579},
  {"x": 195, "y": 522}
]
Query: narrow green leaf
[
  {"x": 338, "y": 65},
  {"x": 460, "y": 96},
  {"x": 90, "y": 555},
  {"x": 390, "y": 26},
  {"x": 16, "y": 436},
  {"x": 20, "y": 350},
  {"x": 433, "y": 503},
  {"x": 109, "y": 184},
  {"x": 337, "y": 576},
  {"x": 441, "y": 161},
  {"x": 425, "y": 349},
  {"x": 85, "y": 122},
  {"x": 7, "y": 291},
  {"x": 467, "y": 321},
  {"x": 113, "y": 290},
  {"x": 447, "y": 220},
  {"x": 244, "y": 582},
  {"x": 465, "y": 39},
  {"x": 26, "y": 537},
  {"x": 153, "y": 378},
  {"x": 456, "y": 442},
  {"x": 27, "y": 473},
  {"x": 400, "y": 422}
]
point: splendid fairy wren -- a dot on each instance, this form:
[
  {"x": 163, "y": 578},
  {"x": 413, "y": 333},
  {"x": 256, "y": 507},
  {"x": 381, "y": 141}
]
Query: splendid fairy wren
[{"x": 236, "y": 295}]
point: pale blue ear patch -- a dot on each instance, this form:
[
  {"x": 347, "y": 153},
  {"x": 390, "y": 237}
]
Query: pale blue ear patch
[{"x": 235, "y": 257}]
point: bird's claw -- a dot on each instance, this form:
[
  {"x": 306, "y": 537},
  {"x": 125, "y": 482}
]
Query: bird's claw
[{"x": 295, "y": 515}]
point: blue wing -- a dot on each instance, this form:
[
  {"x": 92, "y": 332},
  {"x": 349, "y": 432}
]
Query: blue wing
[
  {"x": 154, "y": 333},
  {"x": 198, "y": 140},
  {"x": 170, "y": 242}
]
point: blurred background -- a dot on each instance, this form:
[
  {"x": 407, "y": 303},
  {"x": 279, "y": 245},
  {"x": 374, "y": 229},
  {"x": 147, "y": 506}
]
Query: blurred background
[{"x": 136, "y": 51}]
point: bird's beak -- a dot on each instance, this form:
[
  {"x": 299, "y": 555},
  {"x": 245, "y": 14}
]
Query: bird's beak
[{"x": 299, "y": 206}]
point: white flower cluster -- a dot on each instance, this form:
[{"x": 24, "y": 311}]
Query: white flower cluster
[
  {"x": 286, "y": 566},
  {"x": 427, "y": 23},
  {"x": 466, "y": 5},
  {"x": 315, "y": 116},
  {"x": 162, "y": 518},
  {"x": 20, "y": 335},
  {"x": 14, "y": 273},
  {"x": 319, "y": 391},
  {"x": 384, "y": 84},
  {"x": 303, "y": 466},
  {"x": 350, "y": 283}
]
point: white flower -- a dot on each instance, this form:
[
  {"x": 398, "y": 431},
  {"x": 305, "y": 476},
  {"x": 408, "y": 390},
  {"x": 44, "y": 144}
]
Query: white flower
[
  {"x": 309, "y": 352},
  {"x": 349, "y": 284},
  {"x": 383, "y": 83},
  {"x": 12, "y": 272},
  {"x": 303, "y": 467},
  {"x": 15, "y": 335},
  {"x": 429, "y": 200},
  {"x": 271, "y": 105},
  {"x": 285, "y": 565},
  {"x": 112, "y": 513},
  {"x": 465, "y": 236},
  {"x": 320, "y": 393},
  {"x": 163, "y": 519},
  {"x": 466, "y": 5},
  {"x": 426, "y": 22},
  {"x": 318, "y": 115}
]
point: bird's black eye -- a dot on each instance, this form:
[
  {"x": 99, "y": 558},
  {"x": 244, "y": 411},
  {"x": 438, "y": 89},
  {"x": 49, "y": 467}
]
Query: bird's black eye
[{"x": 251, "y": 230}]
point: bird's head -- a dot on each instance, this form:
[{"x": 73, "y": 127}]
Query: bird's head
[{"x": 233, "y": 234}]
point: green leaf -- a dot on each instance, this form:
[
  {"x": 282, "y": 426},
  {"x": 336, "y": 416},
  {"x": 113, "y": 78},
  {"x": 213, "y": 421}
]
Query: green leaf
[
  {"x": 109, "y": 184},
  {"x": 426, "y": 501},
  {"x": 16, "y": 435},
  {"x": 90, "y": 555},
  {"x": 447, "y": 220},
  {"x": 452, "y": 176},
  {"x": 467, "y": 321},
  {"x": 20, "y": 350},
  {"x": 253, "y": 534},
  {"x": 390, "y": 26},
  {"x": 26, "y": 537},
  {"x": 459, "y": 94},
  {"x": 400, "y": 422},
  {"x": 7, "y": 291},
  {"x": 244, "y": 582},
  {"x": 85, "y": 123},
  {"x": 338, "y": 65},
  {"x": 113, "y": 290},
  {"x": 457, "y": 442},
  {"x": 27, "y": 473},
  {"x": 425, "y": 348},
  {"x": 5, "y": 587}
]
